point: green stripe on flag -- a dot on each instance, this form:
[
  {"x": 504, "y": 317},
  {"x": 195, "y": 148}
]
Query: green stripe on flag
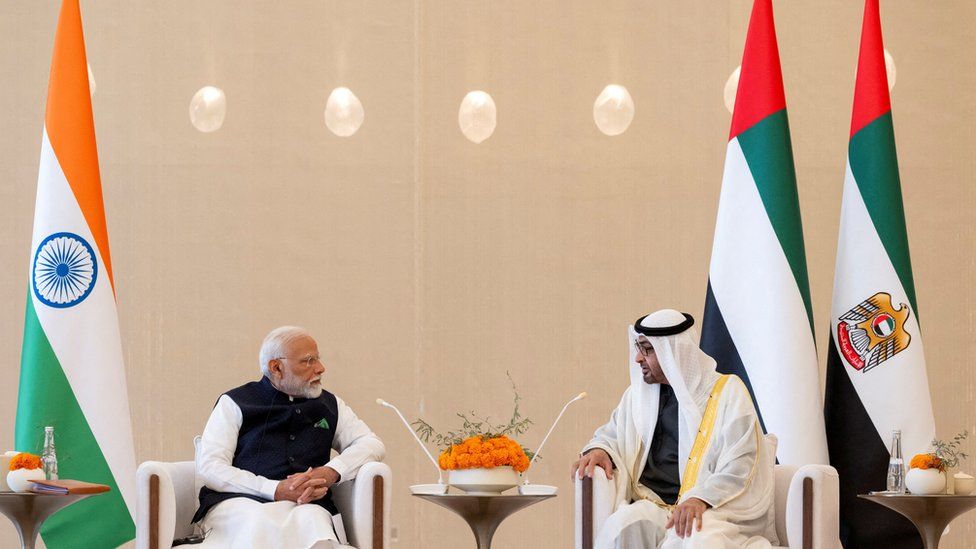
[
  {"x": 874, "y": 163},
  {"x": 46, "y": 398},
  {"x": 769, "y": 153}
]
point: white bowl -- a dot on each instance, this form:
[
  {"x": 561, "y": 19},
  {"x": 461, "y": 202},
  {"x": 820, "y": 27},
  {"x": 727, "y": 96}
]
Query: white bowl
[
  {"x": 924, "y": 482},
  {"x": 964, "y": 485},
  {"x": 429, "y": 489},
  {"x": 19, "y": 480},
  {"x": 537, "y": 490},
  {"x": 484, "y": 482}
]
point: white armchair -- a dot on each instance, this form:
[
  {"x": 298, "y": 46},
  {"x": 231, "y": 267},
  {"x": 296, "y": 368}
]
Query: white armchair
[
  {"x": 807, "y": 500},
  {"x": 167, "y": 499}
]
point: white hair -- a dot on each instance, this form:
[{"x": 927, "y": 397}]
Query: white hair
[{"x": 275, "y": 342}]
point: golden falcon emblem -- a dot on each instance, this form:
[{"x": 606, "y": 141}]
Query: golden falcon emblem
[{"x": 872, "y": 332}]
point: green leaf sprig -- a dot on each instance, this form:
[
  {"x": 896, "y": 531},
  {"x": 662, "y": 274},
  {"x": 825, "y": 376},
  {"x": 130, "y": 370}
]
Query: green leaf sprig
[
  {"x": 949, "y": 451},
  {"x": 473, "y": 425}
]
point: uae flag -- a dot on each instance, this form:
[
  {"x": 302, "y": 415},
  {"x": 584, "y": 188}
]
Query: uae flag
[
  {"x": 876, "y": 378},
  {"x": 71, "y": 372},
  {"x": 758, "y": 320}
]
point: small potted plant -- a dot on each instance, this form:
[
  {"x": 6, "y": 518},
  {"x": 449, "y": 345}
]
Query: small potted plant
[
  {"x": 951, "y": 455},
  {"x": 481, "y": 457},
  {"x": 24, "y": 468},
  {"x": 926, "y": 474}
]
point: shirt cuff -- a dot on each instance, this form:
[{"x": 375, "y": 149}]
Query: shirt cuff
[
  {"x": 268, "y": 489},
  {"x": 338, "y": 466}
]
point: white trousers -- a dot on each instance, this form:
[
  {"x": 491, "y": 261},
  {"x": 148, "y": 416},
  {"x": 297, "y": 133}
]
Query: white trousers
[
  {"x": 633, "y": 525},
  {"x": 242, "y": 523}
]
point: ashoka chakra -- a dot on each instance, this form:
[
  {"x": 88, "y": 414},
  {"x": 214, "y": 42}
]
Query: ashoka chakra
[{"x": 64, "y": 270}]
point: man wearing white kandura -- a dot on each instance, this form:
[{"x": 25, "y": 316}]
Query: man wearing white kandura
[
  {"x": 264, "y": 456},
  {"x": 684, "y": 447}
]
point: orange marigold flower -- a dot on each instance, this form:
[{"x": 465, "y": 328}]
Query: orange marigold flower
[
  {"x": 926, "y": 461},
  {"x": 25, "y": 461},
  {"x": 478, "y": 451}
]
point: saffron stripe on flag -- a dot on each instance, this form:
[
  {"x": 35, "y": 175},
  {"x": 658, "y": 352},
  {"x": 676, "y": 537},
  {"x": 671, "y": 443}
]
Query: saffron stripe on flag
[
  {"x": 72, "y": 370},
  {"x": 71, "y": 127}
]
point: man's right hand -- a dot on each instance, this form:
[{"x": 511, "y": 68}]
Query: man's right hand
[
  {"x": 312, "y": 489},
  {"x": 590, "y": 460}
]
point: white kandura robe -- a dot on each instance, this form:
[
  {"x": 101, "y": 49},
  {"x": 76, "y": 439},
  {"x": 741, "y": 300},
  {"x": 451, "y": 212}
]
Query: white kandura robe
[
  {"x": 243, "y": 523},
  {"x": 736, "y": 475}
]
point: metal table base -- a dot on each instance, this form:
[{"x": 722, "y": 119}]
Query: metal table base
[
  {"x": 483, "y": 513},
  {"x": 28, "y": 511},
  {"x": 930, "y": 514}
]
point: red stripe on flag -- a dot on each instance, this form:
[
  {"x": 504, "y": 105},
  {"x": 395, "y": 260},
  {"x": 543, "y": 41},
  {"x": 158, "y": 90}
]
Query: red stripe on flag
[
  {"x": 871, "y": 98},
  {"x": 760, "y": 90}
]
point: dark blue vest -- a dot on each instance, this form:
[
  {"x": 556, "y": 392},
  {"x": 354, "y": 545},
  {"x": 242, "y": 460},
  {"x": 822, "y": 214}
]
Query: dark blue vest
[{"x": 278, "y": 437}]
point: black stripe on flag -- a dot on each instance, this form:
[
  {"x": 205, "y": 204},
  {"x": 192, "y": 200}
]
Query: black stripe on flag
[
  {"x": 860, "y": 456},
  {"x": 717, "y": 343}
]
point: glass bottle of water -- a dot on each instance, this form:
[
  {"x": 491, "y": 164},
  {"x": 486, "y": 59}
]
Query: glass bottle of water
[
  {"x": 896, "y": 465},
  {"x": 49, "y": 458}
]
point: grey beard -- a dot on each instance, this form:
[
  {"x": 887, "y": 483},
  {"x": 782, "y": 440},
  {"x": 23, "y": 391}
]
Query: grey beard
[{"x": 297, "y": 388}]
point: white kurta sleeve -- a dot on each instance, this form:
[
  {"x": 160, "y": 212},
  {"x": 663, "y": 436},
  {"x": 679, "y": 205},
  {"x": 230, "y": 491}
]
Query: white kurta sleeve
[
  {"x": 355, "y": 442},
  {"x": 216, "y": 455},
  {"x": 736, "y": 463}
]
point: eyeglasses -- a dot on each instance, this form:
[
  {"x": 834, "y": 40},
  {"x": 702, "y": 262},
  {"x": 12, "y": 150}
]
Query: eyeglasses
[
  {"x": 642, "y": 350},
  {"x": 307, "y": 361}
]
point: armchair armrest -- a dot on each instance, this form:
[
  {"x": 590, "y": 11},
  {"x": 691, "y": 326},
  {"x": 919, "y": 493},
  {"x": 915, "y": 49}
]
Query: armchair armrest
[
  {"x": 812, "y": 508},
  {"x": 593, "y": 504},
  {"x": 364, "y": 503},
  {"x": 166, "y": 499}
]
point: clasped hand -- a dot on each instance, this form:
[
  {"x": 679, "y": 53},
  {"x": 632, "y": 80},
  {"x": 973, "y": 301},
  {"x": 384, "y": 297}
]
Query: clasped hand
[{"x": 308, "y": 486}]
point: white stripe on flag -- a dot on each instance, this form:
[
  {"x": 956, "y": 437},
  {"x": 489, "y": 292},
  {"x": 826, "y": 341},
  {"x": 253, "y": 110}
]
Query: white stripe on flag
[
  {"x": 764, "y": 312},
  {"x": 85, "y": 337},
  {"x": 896, "y": 393}
]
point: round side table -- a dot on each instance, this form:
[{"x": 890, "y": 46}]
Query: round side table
[
  {"x": 930, "y": 514},
  {"x": 483, "y": 513},
  {"x": 28, "y": 511}
]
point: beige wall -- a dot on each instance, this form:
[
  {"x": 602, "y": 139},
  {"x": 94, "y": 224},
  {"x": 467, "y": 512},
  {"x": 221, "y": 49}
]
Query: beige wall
[{"x": 427, "y": 265}]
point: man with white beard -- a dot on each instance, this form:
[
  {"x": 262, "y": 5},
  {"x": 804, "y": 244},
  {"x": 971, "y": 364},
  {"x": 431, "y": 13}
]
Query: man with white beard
[
  {"x": 684, "y": 447},
  {"x": 264, "y": 456}
]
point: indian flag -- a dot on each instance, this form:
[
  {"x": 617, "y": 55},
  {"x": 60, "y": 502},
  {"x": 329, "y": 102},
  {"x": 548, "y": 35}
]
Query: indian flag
[
  {"x": 71, "y": 373},
  {"x": 876, "y": 379},
  {"x": 758, "y": 320}
]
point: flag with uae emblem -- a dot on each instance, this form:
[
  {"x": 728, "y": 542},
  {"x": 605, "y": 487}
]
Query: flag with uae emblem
[
  {"x": 71, "y": 374},
  {"x": 758, "y": 320},
  {"x": 876, "y": 380}
]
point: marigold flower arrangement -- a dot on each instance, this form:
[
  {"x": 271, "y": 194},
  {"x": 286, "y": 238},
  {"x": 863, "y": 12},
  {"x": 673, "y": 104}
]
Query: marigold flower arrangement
[
  {"x": 479, "y": 451},
  {"x": 480, "y": 443},
  {"x": 947, "y": 454},
  {"x": 25, "y": 461},
  {"x": 926, "y": 461}
]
